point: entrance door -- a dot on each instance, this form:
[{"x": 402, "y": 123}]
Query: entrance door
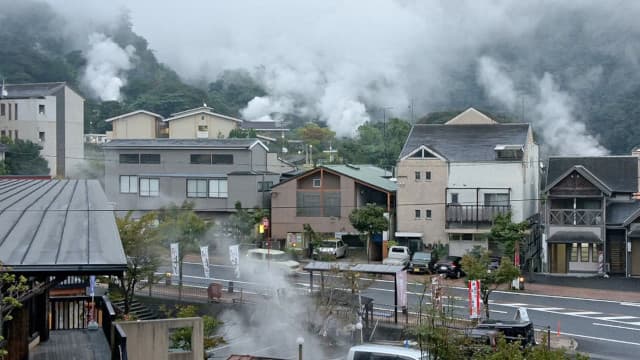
[
  {"x": 559, "y": 258},
  {"x": 635, "y": 257},
  {"x": 616, "y": 251}
]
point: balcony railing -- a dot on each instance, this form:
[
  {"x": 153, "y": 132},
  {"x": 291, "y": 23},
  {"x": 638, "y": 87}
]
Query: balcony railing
[
  {"x": 585, "y": 217},
  {"x": 465, "y": 216}
]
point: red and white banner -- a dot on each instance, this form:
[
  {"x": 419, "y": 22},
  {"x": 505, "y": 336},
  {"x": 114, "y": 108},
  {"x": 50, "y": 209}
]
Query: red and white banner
[
  {"x": 401, "y": 288},
  {"x": 474, "y": 299}
]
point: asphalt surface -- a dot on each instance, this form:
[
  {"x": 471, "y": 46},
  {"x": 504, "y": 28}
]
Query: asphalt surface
[{"x": 604, "y": 329}]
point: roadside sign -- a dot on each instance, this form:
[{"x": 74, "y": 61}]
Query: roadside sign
[{"x": 474, "y": 299}]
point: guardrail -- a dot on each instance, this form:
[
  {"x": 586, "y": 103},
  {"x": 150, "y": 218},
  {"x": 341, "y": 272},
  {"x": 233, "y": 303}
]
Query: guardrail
[{"x": 119, "y": 344}]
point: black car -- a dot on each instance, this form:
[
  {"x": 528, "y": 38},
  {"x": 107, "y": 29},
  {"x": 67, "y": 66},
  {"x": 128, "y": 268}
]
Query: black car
[
  {"x": 422, "y": 262},
  {"x": 513, "y": 330},
  {"x": 450, "y": 266}
]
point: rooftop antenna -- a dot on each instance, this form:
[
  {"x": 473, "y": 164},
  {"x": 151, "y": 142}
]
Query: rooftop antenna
[{"x": 4, "y": 90}]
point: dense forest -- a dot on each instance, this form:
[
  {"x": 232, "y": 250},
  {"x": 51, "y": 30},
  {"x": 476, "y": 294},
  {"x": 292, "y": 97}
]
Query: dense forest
[{"x": 40, "y": 51}]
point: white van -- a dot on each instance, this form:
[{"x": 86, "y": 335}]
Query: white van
[
  {"x": 385, "y": 352},
  {"x": 279, "y": 259}
]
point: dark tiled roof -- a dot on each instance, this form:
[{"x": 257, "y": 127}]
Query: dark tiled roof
[
  {"x": 617, "y": 213},
  {"x": 32, "y": 90},
  {"x": 465, "y": 142},
  {"x": 564, "y": 237},
  {"x": 58, "y": 226},
  {"x": 182, "y": 143},
  {"x": 619, "y": 173}
]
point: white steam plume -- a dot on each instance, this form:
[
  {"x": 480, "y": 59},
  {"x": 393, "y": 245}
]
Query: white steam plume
[
  {"x": 552, "y": 111},
  {"x": 107, "y": 64}
]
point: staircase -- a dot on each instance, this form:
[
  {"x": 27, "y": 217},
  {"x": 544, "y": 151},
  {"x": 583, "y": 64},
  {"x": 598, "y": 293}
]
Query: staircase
[{"x": 139, "y": 311}]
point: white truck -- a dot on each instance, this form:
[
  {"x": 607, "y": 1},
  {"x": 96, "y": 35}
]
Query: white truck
[{"x": 398, "y": 255}]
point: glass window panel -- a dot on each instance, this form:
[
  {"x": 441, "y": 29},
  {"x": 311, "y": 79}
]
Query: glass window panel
[
  {"x": 129, "y": 158},
  {"x": 154, "y": 187},
  {"x": 201, "y": 159},
  {"x": 133, "y": 184},
  {"x": 150, "y": 158},
  {"x": 124, "y": 184},
  {"x": 584, "y": 252},
  {"x": 574, "y": 252},
  {"x": 222, "y": 158}
]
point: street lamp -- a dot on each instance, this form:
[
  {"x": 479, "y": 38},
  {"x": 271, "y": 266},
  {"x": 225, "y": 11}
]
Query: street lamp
[{"x": 300, "y": 342}]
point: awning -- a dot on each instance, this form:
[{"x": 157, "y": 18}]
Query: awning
[
  {"x": 408, "y": 234},
  {"x": 565, "y": 237}
]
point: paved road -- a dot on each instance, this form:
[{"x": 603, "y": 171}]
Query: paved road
[{"x": 604, "y": 329}]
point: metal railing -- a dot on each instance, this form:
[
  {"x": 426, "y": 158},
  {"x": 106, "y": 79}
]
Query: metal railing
[
  {"x": 575, "y": 217},
  {"x": 473, "y": 215},
  {"x": 119, "y": 344}
]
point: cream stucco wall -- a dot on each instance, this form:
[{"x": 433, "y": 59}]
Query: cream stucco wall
[
  {"x": 422, "y": 195},
  {"x": 187, "y": 127},
  {"x": 149, "y": 339},
  {"x": 74, "y": 131},
  {"x": 135, "y": 126}
]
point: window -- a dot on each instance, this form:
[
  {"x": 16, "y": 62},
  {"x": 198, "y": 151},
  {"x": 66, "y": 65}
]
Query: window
[
  {"x": 454, "y": 198},
  {"x": 584, "y": 252},
  {"x": 201, "y": 159},
  {"x": 218, "y": 188},
  {"x": 264, "y": 185},
  {"x": 149, "y": 158},
  {"x": 427, "y": 213},
  {"x": 203, "y": 131},
  {"x": 464, "y": 237},
  {"x": 128, "y": 184},
  {"x": 196, "y": 188},
  {"x": 222, "y": 159},
  {"x": 41, "y": 109},
  {"x": 417, "y": 214},
  {"x": 417, "y": 175},
  {"x": 129, "y": 158},
  {"x": 149, "y": 187},
  {"x": 3, "y": 133},
  {"x": 15, "y": 113},
  {"x": 2, "y": 110},
  {"x": 9, "y": 105},
  {"x": 41, "y": 136},
  {"x": 316, "y": 183},
  {"x": 427, "y": 175},
  {"x": 15, "y": 134},
  {"x": 496, "y": 199},
  {"x": 574, "y": 252}
]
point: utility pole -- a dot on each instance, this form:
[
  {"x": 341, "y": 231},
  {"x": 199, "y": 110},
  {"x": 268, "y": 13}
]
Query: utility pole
[{"x": 384, "y": 135}]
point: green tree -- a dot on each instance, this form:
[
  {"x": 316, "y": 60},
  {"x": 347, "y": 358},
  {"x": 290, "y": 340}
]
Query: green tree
[
  {"x": 507, "y": 234},
  {"x": 23, "y": 158},
  {"x": 376, "y": 143},
  {"x": 140, "y": 240},
  {"x": 181, "y": 337},
  {"x": 244, "y": 221},
  {"x": 182, "y": 225},
  {"x": 369, "y": 220},
  {"x": 313, "y": 134},
  {"x": 12, "y": 289},
  {"x": 242, "y": 133},
  {"x": 477, "y": 268}
]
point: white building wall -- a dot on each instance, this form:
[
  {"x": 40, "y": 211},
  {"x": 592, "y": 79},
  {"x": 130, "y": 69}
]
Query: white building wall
[{"x": 74, "y": 130}]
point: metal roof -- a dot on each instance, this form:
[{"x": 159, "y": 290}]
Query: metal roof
[
  {"x": 200, "y": 110},
  {"x": 183, "y": 143},
  {"x": 32, "y": 90},
  {"x": 262, "y": 125},
  {"x": 619, "y": 173},
  {"x": 565, "y": 237},
  {"x": 620, "y": 213},
  {"x": 364, "y": 268},
  {"x": 122, "y": 116},
  {"x": 366, "y": 173},
  {"x": 469, "y": 142},
  {"x": 58, "y": 226}
]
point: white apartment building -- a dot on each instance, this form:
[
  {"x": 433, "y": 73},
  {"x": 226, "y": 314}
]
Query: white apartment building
[{"x": 49, "y": 114}]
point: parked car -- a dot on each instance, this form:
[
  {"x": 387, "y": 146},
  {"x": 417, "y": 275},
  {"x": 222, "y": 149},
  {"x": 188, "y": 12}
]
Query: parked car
[
  {"x": 422, "y": 262},
  {"x": 375, "y": 352},
  {"x": 398, "y": 255},
  {"x": 450, "y": 267},
  {"x": 262, "y": 259},
  {"x": 513, "y": 330},
  {"x": 334, "y": 247},
  {"x": 494, "y": 263}
]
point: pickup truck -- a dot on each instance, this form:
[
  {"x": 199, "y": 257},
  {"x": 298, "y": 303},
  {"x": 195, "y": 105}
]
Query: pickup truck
[{"x": 398, "y": 255}]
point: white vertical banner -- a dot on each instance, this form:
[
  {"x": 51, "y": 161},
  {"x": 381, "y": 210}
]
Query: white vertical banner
[
  {"x": 401, "y": 288},
  {"x": 92, "y": 285},
  {"x": 175, "y": 259},
  {"x": 474, "y": 299},
  {"x": 234, "y": 258},
  {"x": 204, "y": 254}
]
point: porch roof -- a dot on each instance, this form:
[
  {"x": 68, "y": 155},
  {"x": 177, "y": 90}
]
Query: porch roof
[
  {"x": 565, "y": 237},
  {"x": 58, "y": 227}
]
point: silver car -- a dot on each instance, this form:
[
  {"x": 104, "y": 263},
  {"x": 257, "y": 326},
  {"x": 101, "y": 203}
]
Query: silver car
[{"x": 333, "y": 247}]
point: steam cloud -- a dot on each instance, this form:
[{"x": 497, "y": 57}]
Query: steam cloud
[
  {"x": 107, "y": 63},
  {"x": 553, "y": 110}
]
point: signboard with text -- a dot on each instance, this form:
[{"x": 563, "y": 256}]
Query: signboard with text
[{"x": 474, "y": 299}]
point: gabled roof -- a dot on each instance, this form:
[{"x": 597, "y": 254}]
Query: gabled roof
[
  {"x": 474, "y": 142},
  {"x": 471, "y": 116},
  {"x": 586, "y": 174},
  {"x": 164, "y": 143},
  {"x": 32, "y": 90},
  {"x": 134, "y": 113},
  {"x": 618, "y": 173},
  {"x": 200, "y": 110},
  {"x": 58, "y": 226},
  {"x": 368, "y": 174}
]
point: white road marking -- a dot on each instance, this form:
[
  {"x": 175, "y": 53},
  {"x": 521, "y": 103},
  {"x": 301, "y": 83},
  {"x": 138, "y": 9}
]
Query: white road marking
[
  {"x": 634, "y": 323},
  {"x": 629, "y": 304},
  {"x": 616, "y": 318},
  {"x": 508, "y": 304},
  {"x": 548, "y": 309},
  {"x": 574, "y": 313},
  {"x": 601, "y": 339},
  {"x": 617, "y": 326}
]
